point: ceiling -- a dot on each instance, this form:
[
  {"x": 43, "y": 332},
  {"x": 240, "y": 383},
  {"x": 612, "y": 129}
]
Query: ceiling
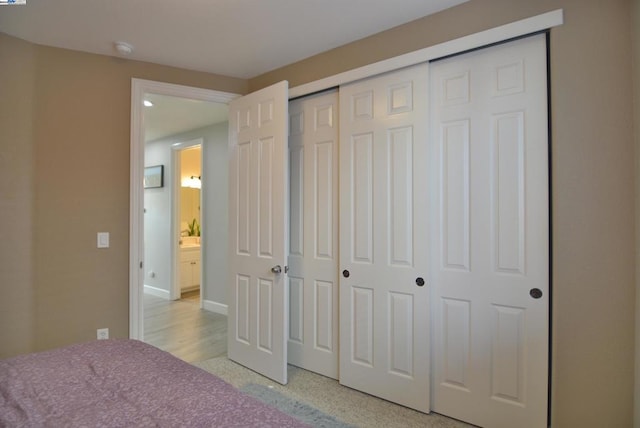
[
  {"x": 238, "y": 38},
  {"x": 172, "y": 115}
]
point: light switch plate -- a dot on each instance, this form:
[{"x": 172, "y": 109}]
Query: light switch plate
[{"x": 103, "y": 239}]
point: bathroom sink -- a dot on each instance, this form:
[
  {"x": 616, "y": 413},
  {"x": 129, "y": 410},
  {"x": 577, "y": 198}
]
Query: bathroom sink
[{"x": 189, "y": 241}]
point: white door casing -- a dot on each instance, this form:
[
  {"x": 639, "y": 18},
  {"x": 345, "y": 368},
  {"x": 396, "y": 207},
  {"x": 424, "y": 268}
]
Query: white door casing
[
  {"x": 313, "y": 248},
  {"x": 491, "y": 235},
  {"x": 139, "y": 88},
  {"x": 384, "y": 312},
  {"x": 258, "y": 229}
]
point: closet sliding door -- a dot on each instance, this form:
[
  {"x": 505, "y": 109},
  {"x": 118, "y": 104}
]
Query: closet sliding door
[
  {"x": 384, "y": 297},
  {"x": 490, "y": 232},
  {"x": 443, "y": 235},
  {"x": 313, "y": 248}
]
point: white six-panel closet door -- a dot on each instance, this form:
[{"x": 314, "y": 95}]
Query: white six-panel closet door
[
  {"x": 490, "y": 235},
  {"x": 384, "y": 298},
  {"x": 313, "y": 248}
]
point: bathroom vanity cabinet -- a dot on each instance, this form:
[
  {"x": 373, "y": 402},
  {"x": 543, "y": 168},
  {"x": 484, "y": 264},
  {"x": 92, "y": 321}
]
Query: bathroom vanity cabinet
[{"x": 189, "y": 268}]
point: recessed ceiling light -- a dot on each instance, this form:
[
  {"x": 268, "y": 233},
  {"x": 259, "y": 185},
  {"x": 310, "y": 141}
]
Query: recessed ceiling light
[{"x": 148, "y": 103}]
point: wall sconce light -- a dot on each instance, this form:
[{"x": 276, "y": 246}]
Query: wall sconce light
[{"x": 195, "y": 182}]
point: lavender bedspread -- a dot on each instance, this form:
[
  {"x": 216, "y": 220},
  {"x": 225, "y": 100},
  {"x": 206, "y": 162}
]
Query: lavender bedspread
[{"x": 123, "y": 383}]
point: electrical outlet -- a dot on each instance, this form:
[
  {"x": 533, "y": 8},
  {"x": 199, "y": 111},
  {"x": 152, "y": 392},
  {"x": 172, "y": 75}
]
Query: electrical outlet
[
  {"x": 103, "y": 239},
  {"x": 103, "y": 333}
]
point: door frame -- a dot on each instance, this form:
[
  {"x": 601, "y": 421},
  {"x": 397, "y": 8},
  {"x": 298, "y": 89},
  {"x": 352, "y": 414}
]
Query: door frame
[{"x": 139, "y": 87}]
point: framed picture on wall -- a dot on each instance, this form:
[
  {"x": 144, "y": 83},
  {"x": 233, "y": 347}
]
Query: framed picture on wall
[{"x": 154, "y": 176}]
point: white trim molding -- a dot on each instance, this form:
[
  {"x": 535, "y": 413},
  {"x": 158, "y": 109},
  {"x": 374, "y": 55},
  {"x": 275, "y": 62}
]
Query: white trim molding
[
  {"x": 473, "y": 41},
  {"x": 211, "y": 306},
  {"x": 155, "y": 291}
]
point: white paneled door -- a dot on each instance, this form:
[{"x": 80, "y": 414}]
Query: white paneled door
[
  {"x": 490, "y": 235},
  {"x": 384, "y": 298},
  {"x": 258, "y": 229},
  {"x": 313, "y": 247}
]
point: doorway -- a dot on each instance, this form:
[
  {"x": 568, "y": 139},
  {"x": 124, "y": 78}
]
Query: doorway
[
  {"x": 163, "y": 269},
  {"x": 187, "y": 220}
]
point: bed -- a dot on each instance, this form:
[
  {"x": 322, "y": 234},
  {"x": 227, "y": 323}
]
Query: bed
[{"x": 123, "y": 383}]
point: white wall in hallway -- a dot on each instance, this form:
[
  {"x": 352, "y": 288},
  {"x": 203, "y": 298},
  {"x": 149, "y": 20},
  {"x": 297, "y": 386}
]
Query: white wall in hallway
[{"x": 157, "y": 218}]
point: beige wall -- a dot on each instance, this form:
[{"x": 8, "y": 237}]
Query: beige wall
[
  {"x": 636, "y": 122},
  {"x": 64, "y": 176},
  {"x": 592, "y": 185},
  {"x": 17, "y": 74}
]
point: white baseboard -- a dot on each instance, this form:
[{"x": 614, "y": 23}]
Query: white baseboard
[
  {"x": 155, "y": 291},
  {"x": 218, "y": 308},
  {"x": 209, "y": 305}
]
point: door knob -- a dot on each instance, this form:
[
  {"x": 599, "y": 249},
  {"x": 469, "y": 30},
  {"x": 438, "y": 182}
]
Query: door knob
[
  {"x": 536, "y": 293},
  {"x": 419, "y": 281},
  {"x": 276, "y": 269},
  {"x": 345, "y": 273}
]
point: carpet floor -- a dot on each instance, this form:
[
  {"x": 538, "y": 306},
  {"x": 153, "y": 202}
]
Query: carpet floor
[{"x": 347, "y": 405}]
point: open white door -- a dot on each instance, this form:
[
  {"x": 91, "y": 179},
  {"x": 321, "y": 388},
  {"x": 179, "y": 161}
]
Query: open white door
[{"x": 258, "y": 229}]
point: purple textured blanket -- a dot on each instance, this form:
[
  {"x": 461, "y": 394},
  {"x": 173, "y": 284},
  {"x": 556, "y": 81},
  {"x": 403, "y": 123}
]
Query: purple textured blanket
[{"x": 123, "y": 383}]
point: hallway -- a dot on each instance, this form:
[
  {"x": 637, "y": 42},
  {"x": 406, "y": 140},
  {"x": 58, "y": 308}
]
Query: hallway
[{"x": 183, "y": 329}]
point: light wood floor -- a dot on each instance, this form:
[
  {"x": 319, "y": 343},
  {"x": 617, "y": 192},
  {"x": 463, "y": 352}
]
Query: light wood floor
[{"x": 183, "y": 329}]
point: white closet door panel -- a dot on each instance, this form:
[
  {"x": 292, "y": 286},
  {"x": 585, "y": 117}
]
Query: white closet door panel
[
  {"x": 361, "y": 187},
  {"x": 296, "y": 200},
  {"x": 508, "y": 350},
  {"x": 456, "y": 333},
  {"x": 490, "y": 169},
  {"x": 401, "y": 334},
  {"x": 258, "y": 223},
  {"x": 313, "y": 264},
  {"x": 296, "y": 310},
  {"x": 454, "y": 227},
  {"x": 324, "y": 322},
  {"x": 400, "y": 197},
  {"x": 362, "y": 327},
  {"x": 384, "y": 314},
  {"x": 508, "y": 182},
  {"x": 324, "y": 203}
]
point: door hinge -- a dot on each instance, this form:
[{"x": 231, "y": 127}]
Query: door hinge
[
  {"x": 140, "y": 265},
  {"x": 286, "y": 269}
]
